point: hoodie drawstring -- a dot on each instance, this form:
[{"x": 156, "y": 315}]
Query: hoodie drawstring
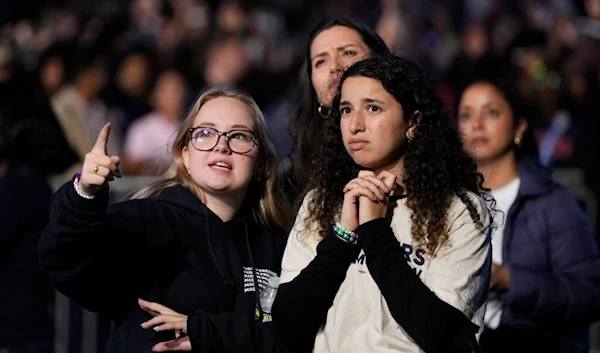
[
  {"x": 227, "y": 282},
  {"x": 256, "y": 289},
  {"x": 226, "y": 279}
]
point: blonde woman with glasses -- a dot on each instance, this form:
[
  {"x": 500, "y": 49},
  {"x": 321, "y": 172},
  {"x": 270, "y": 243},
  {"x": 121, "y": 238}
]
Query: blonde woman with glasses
[{"x": 203, "y": 240}]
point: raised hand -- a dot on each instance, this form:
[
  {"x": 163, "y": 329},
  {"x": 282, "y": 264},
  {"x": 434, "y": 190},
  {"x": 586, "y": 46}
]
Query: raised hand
[
  {"x": 366, "y": 186},
  {"x": 98, "y": 167}
]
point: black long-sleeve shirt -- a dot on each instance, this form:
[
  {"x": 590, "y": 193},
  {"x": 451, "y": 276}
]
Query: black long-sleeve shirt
[{"x": 302, "y": 305}]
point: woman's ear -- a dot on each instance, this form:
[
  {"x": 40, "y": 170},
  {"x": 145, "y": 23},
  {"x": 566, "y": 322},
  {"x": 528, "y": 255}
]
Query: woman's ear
[
  {"x": 521, "y": 128},
  {"x": 185, "y": 154},
  {"x": 412, "y": 124}
]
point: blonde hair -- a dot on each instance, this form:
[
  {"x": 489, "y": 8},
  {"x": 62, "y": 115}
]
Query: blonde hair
[{"x": 269, "y": 206}]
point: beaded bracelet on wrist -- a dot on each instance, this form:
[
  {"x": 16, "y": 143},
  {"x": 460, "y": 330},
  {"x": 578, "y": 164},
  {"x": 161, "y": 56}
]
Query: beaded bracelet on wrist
[{"x": 345, "y": 234}]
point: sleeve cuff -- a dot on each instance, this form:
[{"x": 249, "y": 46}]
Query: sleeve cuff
[
  {"x": 371, "y": 227},
  {"x": 332, "y": 244},
  {"x": 194, "y": 326},
  {"x": 99, "y": 200},
  {"x": 79, "y": 192}
]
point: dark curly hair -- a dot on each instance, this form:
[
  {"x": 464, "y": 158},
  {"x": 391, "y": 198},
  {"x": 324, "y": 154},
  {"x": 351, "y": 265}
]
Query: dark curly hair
[{"x": 436, "y": 166}]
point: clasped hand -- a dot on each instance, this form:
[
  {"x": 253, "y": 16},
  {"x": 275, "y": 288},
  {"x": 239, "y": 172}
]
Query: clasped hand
[{"x": 366, "y": 198}]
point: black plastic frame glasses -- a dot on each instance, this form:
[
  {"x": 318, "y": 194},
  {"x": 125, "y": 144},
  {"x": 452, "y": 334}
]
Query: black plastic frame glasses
[{"x": 235, "y": 148}]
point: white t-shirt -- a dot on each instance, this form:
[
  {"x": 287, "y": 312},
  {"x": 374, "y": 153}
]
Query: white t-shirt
[
  {"x": 505, "y": 197},
  {"x": 360, "y": 320}
]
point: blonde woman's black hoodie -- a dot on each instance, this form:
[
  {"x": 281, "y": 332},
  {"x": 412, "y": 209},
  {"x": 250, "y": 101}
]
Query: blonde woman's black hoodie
[{"x": 169, "y": 249}]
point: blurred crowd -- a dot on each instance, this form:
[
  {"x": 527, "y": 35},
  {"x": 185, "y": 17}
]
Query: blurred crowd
[
  {"x": 72, "y": 65},
  {"x": 69, "y": 66}
]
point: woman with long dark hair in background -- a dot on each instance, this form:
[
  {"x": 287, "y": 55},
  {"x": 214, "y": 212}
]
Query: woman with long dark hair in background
[
  {"x": 333, "y": 45},
  {"x": 545, "y": 280}
]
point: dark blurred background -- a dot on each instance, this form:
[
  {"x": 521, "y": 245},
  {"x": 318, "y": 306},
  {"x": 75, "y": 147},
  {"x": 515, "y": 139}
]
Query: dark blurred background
[{"x": 141, "y": 63}]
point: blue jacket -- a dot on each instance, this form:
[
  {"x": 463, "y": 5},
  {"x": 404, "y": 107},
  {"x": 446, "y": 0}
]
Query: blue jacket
[{"x": 553, "y": 259}]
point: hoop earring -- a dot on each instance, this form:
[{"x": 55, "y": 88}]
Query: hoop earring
[
  {"x": 324, "y": 112},
  {"x": 518, "y": 141}
]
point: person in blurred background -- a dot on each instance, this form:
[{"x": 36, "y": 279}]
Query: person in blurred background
[
  {"x": 202, "y": 240},
  {"x": 79, "y": 108},
  {"x": 53, "y": 68},
  {"x": 545, "y": 280},
  {"x": 126, "y": 95},
  {"x": 26, "y": 296},
  {"x": 333, "y": 45},
  {"x": 227, "y": 62},
  {"x": 475, "y": 59},
  {"x": 22, "y": 99},
  {"x": 147, "y": 142}
]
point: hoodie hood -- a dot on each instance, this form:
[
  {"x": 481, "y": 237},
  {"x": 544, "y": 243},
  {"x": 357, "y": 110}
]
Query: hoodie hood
[{"x": 183, "y": 198}]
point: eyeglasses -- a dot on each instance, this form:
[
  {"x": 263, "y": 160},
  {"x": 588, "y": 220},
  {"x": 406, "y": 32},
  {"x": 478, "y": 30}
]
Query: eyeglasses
[{"x": 206, "y": 138}]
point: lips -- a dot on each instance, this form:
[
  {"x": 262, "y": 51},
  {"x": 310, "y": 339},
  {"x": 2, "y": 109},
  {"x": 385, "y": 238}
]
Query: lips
[
  {"x": 222, "y": 165},
  {"x": 479, "y": 141},
  {"x": 333, "y": 82},
  {"x": 357, "y": 144}
]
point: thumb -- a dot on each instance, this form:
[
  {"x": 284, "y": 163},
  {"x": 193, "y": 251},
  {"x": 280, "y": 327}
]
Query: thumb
[{"x": 388, "y": 179}]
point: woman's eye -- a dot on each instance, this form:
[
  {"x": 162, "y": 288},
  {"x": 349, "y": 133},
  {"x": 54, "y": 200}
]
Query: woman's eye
[
  {"x": 206, "y": 133},
  {"x": 240, "y": 136},
  {"x": 494, "y": 112}
]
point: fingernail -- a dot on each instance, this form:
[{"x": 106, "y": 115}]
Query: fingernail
[
  {"x": 106, "y": 122},
  {"x": 140, "y": 300},
  {"x": 143, "y": 324},
  {"x": 156, "y": 328},
  {"x": 118, "y": 173}
]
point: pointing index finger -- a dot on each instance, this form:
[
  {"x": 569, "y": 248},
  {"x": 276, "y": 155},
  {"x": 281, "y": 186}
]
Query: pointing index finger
[{"x": 102, "y": 140}]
